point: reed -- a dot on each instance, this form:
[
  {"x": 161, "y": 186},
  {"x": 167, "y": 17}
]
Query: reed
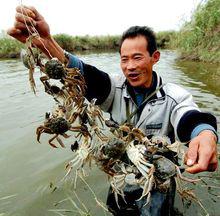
[
  {"x": 81, "y": 43},
  {"x": 10, "y": 48},
  {"x": 199, "y": 38}
]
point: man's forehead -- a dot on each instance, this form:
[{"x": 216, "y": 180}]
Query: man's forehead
[{"x": 134, "y": 45}]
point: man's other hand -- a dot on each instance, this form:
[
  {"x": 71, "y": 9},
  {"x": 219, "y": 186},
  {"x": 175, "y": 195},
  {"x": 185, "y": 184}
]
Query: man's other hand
[{"x": 202, "y": 153}]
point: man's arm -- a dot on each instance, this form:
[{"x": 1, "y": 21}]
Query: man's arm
[
  {"x": 196, "y": 128},
  {"x": 98, "y": 82}
]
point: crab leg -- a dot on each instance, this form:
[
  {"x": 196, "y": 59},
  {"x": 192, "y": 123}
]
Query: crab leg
[
  {"x": 50, "y": 141},
  {"x": 60, "y": 142}
]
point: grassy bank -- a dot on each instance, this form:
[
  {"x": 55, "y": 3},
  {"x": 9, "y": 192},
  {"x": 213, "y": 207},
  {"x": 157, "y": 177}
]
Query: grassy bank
[
  {"x": 10, "y": 48},
  {"x": 81, "y": 43},
  {"x": 199, "y": 39}
]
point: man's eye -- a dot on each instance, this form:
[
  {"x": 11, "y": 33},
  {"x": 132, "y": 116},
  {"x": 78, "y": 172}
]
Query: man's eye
[
  {"x": 123, "y": 60},
  {"x": 137, "y": 58}
]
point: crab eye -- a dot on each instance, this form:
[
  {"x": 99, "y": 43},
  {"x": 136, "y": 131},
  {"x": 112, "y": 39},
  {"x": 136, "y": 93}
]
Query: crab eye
[
  {"x": 160, "y": 144},
  {"x": 136, "y": 142},
  {"x": 138, "y": 175},
  {"x": 124, "y": 133},
  {"x": 55, "y": 89}
]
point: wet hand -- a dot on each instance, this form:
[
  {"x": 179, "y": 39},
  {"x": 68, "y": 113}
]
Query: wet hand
[
  {"x": 27, "y": 21},
  {"x": 202, "y": 153}
]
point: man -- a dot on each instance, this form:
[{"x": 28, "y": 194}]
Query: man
[{"x": 161, "y": 109}]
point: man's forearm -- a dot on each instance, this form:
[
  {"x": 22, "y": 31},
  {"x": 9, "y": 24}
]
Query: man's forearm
[{"x": 51, "y": 49}]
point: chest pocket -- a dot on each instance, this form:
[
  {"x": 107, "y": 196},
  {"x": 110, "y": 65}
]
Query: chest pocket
[{"x": 153, "y": 129}]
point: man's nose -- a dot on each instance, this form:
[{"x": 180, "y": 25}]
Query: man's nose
[{"x": 131, "y": 65}]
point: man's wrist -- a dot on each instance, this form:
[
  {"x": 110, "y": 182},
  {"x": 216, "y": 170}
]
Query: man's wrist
[
  {"x": 202, "y": 128},
  {"x": 209, "y": 132},
  {"x": 52, "y": 49}
]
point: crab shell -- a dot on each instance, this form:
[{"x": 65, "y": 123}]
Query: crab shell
[
  {"x": 164, "y": 168},
  {"x": 58, "y": 125},
  {"x": 115, "y": 148},
  {"x": 54, "y": 69}
]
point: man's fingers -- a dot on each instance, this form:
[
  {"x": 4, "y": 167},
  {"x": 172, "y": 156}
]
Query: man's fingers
[
  {"x": 205, "y": 163},
  {"x": 194, "y": 169},
  {"x": 198, "y": 168},
  {"x": 213, "y": 165},
  {"x": 25, "y": 19},
  {"x": 18, "y": 34},
  {"x": 35, "y": 12},
  {"x": 27, "y": 11},
  {"x": 192, "y": 154},
  {"x": 19, "y": 25},
  {"x": 13, "y": 31}
]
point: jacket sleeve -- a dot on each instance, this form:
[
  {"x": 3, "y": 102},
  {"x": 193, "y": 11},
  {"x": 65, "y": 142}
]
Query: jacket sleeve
[
  {"x": 190, "y": 120},
  {"x": 186, "y": 115}
]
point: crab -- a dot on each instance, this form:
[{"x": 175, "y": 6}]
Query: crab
[
  {"x": 136, "y": 154},
  {"x": 91, "y": 114},
  {"x": 127, "y": 132},
  {"x": 114, "y": 148},
  {"x": 30, "y": 58},
  {"x": 83, "y": 154},
  {"x": 73, "y": 83},
  {"x": 165, "y": 169},
  {"x": 54, "y": 125}
]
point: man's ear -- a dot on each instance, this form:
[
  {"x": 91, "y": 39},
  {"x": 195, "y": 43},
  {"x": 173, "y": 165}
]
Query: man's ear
[{"x": 155, "y": 56}]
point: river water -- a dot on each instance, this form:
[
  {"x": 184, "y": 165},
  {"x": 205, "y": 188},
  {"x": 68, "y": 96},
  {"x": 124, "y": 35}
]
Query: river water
[{"x": 30, "y": 171}]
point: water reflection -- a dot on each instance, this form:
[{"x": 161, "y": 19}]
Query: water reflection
[{"x": 204, "y": 76}]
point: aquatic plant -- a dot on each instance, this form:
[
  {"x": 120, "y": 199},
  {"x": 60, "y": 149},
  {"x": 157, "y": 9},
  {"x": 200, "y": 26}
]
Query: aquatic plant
[{"x": 199, "y": 38}]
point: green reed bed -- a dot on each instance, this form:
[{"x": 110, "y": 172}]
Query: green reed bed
[
  {"x": 166, "y": 39},
  {"x": 10, "y": 48},
  {"x": 81, "y": 43},
  {"x": 199, "y": 39}
]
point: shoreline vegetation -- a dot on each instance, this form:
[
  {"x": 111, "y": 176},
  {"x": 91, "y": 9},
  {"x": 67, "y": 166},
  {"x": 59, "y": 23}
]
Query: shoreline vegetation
[
  {"x": 10, "y": 48},
  {"x": 197, "y": 40}
]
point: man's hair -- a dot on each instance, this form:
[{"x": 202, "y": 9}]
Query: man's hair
[{"x": 145, "y": 31}]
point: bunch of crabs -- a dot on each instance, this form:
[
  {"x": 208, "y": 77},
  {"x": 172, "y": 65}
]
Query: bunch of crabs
[{"x": 123, "y": 152}]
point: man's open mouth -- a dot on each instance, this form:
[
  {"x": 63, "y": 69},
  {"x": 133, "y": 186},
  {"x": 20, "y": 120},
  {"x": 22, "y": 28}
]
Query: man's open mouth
[{"x": 133, "y": 75}]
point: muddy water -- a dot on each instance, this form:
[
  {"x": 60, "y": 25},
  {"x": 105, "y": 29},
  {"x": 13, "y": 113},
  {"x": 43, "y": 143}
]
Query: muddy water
[{"x": 29, "y": 171}]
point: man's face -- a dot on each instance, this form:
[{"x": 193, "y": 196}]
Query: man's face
[{"x": 136, "y": 62}]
